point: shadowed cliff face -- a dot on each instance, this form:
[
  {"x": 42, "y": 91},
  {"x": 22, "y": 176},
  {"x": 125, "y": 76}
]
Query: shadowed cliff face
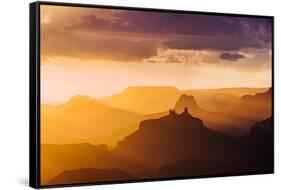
[
  {"x": 173, "y": 137},
  {"x": 255, "y": 155},
  {"x": 260, "y": 140},
  {"x": 172, "y": 146}
]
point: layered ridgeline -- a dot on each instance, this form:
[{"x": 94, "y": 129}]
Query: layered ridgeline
[
  {"x": 85, "y": 120},
  {"x": 182, "y": 140},
  {"x": 222, "y": 99},
  {"x": 144, "y": 100},
  {"x": 235, "y": 121},
  {"x": 255, "y": 107},
  {"x": 170, "y": 146},
  {"x": 150, "y": 100}
]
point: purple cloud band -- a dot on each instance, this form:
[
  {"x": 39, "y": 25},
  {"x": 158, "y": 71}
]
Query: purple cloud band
[{"x": 229, "y": 33}]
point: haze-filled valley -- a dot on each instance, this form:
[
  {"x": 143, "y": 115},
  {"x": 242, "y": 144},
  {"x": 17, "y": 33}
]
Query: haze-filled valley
[{"x": 156, "y": 132}]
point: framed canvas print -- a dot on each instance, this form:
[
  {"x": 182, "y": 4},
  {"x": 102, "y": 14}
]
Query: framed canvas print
[{"x": 120, "y": 94}]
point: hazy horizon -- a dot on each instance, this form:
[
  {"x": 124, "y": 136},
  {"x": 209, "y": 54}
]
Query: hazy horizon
[
  {"x": 100, "y": 52},
  {"x": 98, "y": 98}
]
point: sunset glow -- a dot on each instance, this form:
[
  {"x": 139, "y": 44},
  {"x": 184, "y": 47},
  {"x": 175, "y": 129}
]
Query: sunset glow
[
  {"x": 146, "y": 95},
  {"x": 99, "y": 52}
]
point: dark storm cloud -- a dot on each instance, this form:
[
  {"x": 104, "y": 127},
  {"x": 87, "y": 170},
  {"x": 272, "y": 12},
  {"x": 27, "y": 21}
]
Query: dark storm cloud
[
  {"x": 231, "y": 56},
  {"x": 174, "y": 23},
  {"x": 218, "y": 43},
  {"x": 227, "y": 33},
  {"x": 177, "y": 23}
]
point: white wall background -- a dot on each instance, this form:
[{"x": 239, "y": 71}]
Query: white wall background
[{"x": 14, "y": 26}]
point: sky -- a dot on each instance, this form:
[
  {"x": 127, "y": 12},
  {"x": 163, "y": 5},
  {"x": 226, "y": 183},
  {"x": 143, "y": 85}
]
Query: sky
[{"x": 100, "y": 52}]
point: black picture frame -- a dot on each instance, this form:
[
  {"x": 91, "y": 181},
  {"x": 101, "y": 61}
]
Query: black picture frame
[{"x": 34, "y": 89}]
